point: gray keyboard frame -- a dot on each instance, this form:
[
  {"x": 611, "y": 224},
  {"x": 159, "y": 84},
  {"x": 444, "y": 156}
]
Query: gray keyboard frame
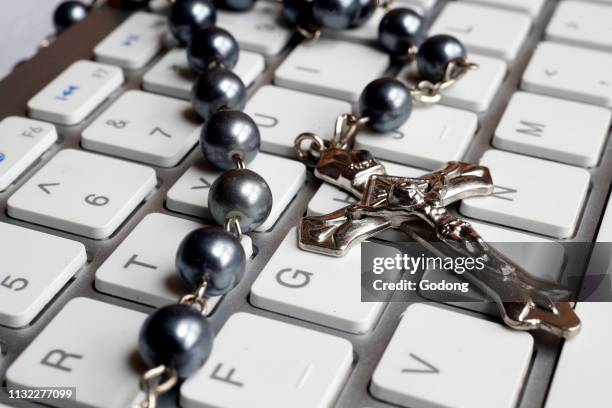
[{"x": 79, "y": 42}]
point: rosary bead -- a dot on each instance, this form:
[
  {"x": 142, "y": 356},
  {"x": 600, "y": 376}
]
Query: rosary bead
[
  {"x": 212, "y": 45},
  {"x": 187, "y": 16},
  {"x": 366, "y": 10},
  {"x": 228, "y": 133},
  {"x": 240, "y": 193},
  {"x": 68, "y": 13},
  {"x": 387, "y": 102},
  {"x": 218, "y": 88},
  {"x": 176, "y": 336},
  {"x": 400, "y": 29},
  {"x": 235, "y": 5},
  {"x": 299, "y": 13},
  {"x": 213, "y": 254},
  {"x": 336, "y": 14},
  {"x": 436, "y": 53}
]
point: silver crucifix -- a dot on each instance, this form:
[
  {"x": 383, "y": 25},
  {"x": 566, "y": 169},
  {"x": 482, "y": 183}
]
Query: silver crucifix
[{"x": 418, "y": 207}]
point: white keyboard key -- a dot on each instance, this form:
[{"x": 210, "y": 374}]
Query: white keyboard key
[
  {"x": 477, "y": 90},
  {"x": 531, "y": 7},
  {"x": 327, "y": 67},
  {"x": 172, "y": 75},
  {"x": 89, "y": 345},
  {"x": 583, "y": 24},
  {"x": 494, "y": 32},
  {"x": 141, "y": 126},
  {"x": 143, "y": 268},
  {"x": 76, "y": 92},
  {"x": 23, "y": 142},
  {"x": 258, "y": 30},
  {"x": 424, "y": 5},
  {"x": 433, "y": 135},
  {"x": 531, "y": 194},
  {"x": 274, "y": 110},
  {"x": 260, "y": 362},
  {"x": 135, "y": 42},
  {"x": 328, "y": 198},
  {"x": 305, "y": 285},
  {"x": 189, "y": 195},
  {"x": 34, "y": 267},
  {"x": 582, "y": 374},
  {"x": 82, "y": 193},
  {"x": 570, "y": 72},
  {"x": 477, "y": 364},
  {"x": 547, "y": 127}
]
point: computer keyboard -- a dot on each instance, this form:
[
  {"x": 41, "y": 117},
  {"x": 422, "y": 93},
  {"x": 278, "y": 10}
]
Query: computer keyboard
[{"x": 101, "y": 178}]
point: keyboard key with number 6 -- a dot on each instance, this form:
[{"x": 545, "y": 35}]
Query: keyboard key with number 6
[
  {"x": 90, "y": 346},
  {"x": 76, "y": 92},
  {"x": 260, "y": 362},
  {"x": 82, "y": 193},
  {"x": 34, "y": 266},
  {"x": 153, "y": 129},
  {"x": 23, "y": 142}
]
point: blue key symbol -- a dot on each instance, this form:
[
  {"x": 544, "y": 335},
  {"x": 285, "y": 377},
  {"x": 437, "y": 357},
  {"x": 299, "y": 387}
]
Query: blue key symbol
[
  {"x": 2, "y": 157},
  {"x": 130, "y": 40},
  {"x": 67, "y": 92}
]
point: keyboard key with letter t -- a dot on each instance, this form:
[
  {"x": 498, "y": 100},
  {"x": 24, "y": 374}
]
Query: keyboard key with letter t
[
  {"x": 570, "y": 72},
  {"x": 189, "y": 195},
  {"x": 438, "y": 358},
  {"x": 34, "y": 267},
  {"x": 89, "y": 345},
  {"x": 260, "y": 362},
  {"x": 143, "y": 267},
  {"x": 484, "y": 30},
  {"x": 82, "y": 193},
  {"x": 149, "y": 128},
  {"x": 76, "y": 92},
  {"x": 305, "y": 285},
  {"x": 327, "y": 68},
  {"x": 135, "y": 42},
  {"x": 546, "y": 127},
  {"x": 531, "y": 194},
  {"x": 23, "y": 142}
]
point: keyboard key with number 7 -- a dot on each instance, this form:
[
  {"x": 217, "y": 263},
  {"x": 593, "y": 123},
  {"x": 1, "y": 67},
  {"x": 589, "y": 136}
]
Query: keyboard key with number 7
[
  {"x": 76, "y": 92},
  {"x": 82, "y": 193}
]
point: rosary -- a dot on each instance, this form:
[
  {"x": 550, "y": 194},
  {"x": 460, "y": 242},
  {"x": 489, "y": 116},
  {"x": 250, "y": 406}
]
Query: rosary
[{"x": 176, "y": 340}]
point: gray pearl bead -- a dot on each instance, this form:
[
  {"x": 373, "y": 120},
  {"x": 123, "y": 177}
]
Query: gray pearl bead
[
  {"x": 240, "y": 193},
  {"x": 211, "y": 254},
  {"x": 336, "y": 14},
  {"x": 387, "y": 102},
  {"x": 436, "y": 53},
  {"x": 226, "y": 134},
  {"x": 217, "y": 88},
  {"x": 212, "y": 45},
  {"x": 176, "y": 336}
]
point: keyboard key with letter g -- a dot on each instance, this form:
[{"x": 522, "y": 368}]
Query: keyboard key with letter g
[
  {"x": 89, "y": 345},
  {"x": 76, "y": 92},
  {"x": 260, "y": 362},
  {"x": 82, "y": 193}
]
